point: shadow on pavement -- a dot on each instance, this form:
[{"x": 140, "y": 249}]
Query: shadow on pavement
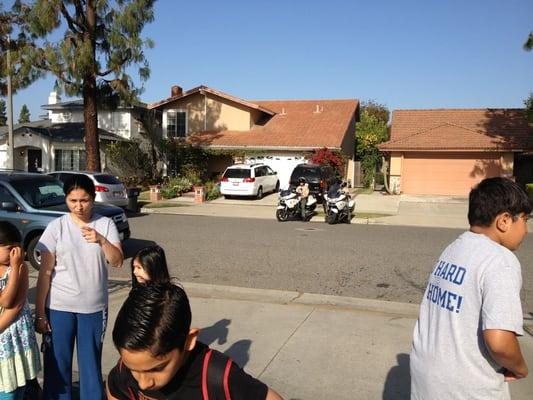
[
  {"x": 398, "y": 382},
  {"x": 218, "y": 332}
]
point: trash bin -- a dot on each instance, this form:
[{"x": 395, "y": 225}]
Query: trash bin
[
  {"x": 199, "y": 194},
  {"x": 155, "y": 192},
  {"x": 133, "y": 197}
]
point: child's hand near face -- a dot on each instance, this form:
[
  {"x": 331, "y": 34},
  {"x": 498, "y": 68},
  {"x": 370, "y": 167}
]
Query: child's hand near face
[{"x": 16, "y": 257}]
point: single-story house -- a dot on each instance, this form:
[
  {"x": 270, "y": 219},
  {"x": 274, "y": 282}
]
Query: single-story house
[
  {"x": 45, "y": 146},
  {"x": 278, "y": 133},
  {"x": 448, "y": 151}
]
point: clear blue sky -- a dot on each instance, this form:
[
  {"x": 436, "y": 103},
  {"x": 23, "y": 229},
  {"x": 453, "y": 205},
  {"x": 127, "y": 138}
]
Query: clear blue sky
[{"x": 404, "y": 54}]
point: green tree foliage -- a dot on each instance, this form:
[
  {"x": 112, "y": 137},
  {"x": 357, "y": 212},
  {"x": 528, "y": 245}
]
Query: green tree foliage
[
  {"x": 21, "y": 71},
  {"x": 529, "y": 107},
  {"x": 370, "y": 132},
  {"x": 100, "y": 46},
  {"x": 3, "y": 116},
  {"x": 24, "y": 115}
]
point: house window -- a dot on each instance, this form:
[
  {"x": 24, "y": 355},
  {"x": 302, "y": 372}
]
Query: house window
[
  {"x": 70, "y": 160},
  {"x": 176, "y": 123}
]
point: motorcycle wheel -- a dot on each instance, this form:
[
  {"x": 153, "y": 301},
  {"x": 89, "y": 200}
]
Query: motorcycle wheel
[
  {"x": 282, "y": 215},
  {"x": 331, "y": 218}
]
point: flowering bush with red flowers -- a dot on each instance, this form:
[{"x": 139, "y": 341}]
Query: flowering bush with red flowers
[{"x": 326, "y": 156}]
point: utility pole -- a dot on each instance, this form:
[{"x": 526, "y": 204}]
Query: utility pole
[{"x": 10, "y": 141}]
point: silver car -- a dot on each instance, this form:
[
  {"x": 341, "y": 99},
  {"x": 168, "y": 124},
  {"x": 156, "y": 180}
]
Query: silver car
[{"x": 109, "y": 190}]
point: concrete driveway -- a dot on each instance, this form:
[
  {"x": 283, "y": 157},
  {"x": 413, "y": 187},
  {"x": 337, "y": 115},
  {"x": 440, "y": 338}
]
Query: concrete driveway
[{"x": 270, "y": 200}]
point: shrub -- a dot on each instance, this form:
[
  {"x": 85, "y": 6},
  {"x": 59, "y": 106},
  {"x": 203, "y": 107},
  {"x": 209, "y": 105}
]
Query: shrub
[
  {"x": 212, "y": 190},
  {"x": 174, "y": 186},
  {"x": 529, "y": 189}
]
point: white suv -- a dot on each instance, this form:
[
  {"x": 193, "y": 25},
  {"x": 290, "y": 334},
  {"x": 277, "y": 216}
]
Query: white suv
[
  {"x": 249, "y": 180},
  {"x": 109, "y": 190}
]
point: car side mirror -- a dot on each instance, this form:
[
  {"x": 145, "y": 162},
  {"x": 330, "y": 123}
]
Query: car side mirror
[{"x": 9, "y": 206}]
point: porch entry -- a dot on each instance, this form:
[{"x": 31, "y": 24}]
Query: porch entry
[{"x": 35, "y": 160}]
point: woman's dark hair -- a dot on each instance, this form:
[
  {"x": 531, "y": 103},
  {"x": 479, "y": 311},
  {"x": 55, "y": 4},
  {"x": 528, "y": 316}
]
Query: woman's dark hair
[
  {"x": 154, "y": 317},
  {"x": 154, "y": 262},
  {"x": 494, "y": 196},
  {"x": 79, "y": 181},
  {"x": 9, "y": 234}
]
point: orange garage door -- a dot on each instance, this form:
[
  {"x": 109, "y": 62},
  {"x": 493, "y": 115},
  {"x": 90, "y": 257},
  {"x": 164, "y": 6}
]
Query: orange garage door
[{"x": 447, "y": 174}]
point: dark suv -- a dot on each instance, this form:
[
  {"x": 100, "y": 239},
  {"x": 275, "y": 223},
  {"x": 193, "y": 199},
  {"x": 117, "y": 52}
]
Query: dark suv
[
  {"x": 30, "y": 201},
  {"x": 319, "y": 178}
]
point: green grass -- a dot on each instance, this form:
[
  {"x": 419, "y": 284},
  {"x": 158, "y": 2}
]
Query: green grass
[{"x": 162, "y": 204}]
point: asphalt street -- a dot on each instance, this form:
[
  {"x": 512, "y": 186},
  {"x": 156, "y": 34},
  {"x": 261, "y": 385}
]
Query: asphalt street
[{"x": 366, "y": 261}]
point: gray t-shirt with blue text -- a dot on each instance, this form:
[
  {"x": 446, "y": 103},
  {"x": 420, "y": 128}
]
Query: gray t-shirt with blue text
[
  {"x": 79, "y": 279},
  {"x": 475, "y": 285}
]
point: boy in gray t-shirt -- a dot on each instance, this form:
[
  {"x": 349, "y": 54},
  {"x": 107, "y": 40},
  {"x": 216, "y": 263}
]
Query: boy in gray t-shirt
[{"x": 464, "y": 342}]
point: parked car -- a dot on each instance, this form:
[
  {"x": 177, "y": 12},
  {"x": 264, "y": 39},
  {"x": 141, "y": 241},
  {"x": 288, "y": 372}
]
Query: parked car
[
  {"x": 248, "y": 180},
  {"x": 30, "y": 201},
  {"x": 319, "y": 178},
  {"x": 109, "y": 190}
]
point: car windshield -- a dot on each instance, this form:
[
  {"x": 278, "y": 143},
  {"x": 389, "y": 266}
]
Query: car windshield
[
  {"x": 40, "y": 193},
  {"x": 306, "y": 173},
  {"x": 237, "y": 173},
  {"x": 107, "y": 179}
]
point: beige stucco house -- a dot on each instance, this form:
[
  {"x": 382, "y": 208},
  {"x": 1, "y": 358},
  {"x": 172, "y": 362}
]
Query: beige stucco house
[{"x": 278, "y": 133}]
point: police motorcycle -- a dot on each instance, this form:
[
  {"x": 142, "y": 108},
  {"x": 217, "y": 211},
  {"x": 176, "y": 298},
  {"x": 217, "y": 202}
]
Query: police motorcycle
[
  {"x": 339, "y": 205},
  {"x": 289, "y": 205}
]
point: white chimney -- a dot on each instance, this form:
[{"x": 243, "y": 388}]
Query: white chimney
[{"x": 53, "y": 98}]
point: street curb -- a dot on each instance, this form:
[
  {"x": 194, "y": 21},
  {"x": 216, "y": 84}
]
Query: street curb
[{"x": 286, "y": 297}]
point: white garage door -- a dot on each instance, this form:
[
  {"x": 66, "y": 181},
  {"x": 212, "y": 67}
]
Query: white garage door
[{"x": 282, "y": 164}]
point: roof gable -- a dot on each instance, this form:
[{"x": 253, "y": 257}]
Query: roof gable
[
  {"x": 205, "y": 89},
  {"x": 297, "y": 124}
]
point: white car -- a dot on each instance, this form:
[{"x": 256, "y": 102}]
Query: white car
[
  {"x": 248, "y": 180},
  {"x": 109, "y": 189}
]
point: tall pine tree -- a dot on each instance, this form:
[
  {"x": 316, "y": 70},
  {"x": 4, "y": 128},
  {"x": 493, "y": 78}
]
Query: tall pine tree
[
  {"x": 24, "y": 115},
  {"x": 100, "y": 45}
]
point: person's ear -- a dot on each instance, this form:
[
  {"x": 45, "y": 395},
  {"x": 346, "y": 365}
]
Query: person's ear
[
  {"x": 504, "y": 221},
  {"x": 190, "y": 343}
]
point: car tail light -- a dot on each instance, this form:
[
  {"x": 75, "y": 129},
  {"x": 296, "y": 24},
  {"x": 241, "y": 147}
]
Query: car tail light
[
  {"x": 99, "y": 188},
  {"x": 224, "y": 179},
  {"x": 322, "y": 184},
  {"x": 248, "y": 180}
]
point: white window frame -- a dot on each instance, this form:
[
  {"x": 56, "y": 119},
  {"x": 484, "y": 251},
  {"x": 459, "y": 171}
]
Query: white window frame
[{"x": 175, "y": 111}]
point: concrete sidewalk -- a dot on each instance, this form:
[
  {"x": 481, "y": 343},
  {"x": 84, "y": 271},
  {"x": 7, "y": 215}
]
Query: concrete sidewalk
[{"x": 309, "y": 346}]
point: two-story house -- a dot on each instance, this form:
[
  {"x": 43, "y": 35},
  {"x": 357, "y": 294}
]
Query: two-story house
[{"x": 279, "y": 133}]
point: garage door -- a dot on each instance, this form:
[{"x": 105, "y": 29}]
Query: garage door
[
  {"x": 282, "y": 164},
  {"x": 447, "y": 174}
]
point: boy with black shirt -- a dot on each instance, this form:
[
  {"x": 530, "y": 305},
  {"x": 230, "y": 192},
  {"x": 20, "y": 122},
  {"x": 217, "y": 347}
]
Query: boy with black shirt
[{"x": 162, "y": 359}]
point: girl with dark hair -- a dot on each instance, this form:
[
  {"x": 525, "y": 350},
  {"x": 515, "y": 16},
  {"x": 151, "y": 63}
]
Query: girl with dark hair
[
  {"x": 72, "y": 295},
  {"x": 19, "y": 354},
  {"x": 149, "y": 265}
]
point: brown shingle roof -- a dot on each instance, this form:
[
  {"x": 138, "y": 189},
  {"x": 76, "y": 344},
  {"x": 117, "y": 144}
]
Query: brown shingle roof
[
  {"x": 458, "y": 130},
  {"x": 297, "y": 124}
]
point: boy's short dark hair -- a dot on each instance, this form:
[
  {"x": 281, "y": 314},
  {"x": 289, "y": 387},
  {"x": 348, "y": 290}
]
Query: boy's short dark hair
[
  {"x": 155, "y": 317},
  {"x": 493, "y": 196}
]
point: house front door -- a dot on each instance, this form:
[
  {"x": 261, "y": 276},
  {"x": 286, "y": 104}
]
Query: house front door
[{"x": 35, "y": 160}]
